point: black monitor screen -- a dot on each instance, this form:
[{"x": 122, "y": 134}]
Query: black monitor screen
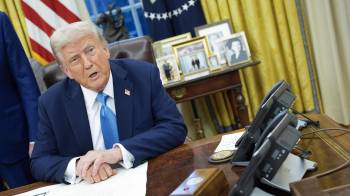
[{"x": 277, "y": 100}]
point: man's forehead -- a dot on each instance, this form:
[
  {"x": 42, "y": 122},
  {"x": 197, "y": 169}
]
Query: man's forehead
[
  {"x": 88, "y": 38},
  {"x": 80, "y": 43}
]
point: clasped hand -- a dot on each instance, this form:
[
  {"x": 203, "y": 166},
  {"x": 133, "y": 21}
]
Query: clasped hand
[{"x": 94, "y": 166}]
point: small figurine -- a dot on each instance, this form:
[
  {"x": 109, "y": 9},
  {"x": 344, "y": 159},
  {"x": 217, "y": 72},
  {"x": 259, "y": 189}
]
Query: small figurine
[
  {"x": 167, "y": 70},
  {"x": 113, "y": 24}
]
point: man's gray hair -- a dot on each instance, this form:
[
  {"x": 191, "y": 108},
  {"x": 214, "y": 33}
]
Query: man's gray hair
[{"x": 72, "y": 32}]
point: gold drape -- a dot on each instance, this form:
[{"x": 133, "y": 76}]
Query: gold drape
[
  {"x": 14, "y": 10},
  {"x": 274, "y": 37}
]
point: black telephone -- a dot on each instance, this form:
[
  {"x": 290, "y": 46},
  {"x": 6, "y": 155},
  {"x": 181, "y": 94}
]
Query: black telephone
[
  {"x": 271, "y": 151},
  {"x": 277, "y": 100}
]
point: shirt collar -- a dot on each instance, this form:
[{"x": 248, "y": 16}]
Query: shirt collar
[{"x": 90, "y": 95}]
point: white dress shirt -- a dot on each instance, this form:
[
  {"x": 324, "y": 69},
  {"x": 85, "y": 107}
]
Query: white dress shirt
[{"x": 93, "y": 108}]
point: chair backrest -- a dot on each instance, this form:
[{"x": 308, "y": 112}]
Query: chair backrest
[{"x": 139, "y": 48}]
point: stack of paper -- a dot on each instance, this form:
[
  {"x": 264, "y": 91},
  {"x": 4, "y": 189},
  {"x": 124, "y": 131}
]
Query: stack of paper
[{"x": 126, "y": 182}]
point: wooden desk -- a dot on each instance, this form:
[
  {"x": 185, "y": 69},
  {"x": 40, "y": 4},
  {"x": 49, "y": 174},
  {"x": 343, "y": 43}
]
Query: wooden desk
[
  {"x": 167, "y": 171},
  {"x": 329, "y": 149},
  {"x": 225, "y": 80}
]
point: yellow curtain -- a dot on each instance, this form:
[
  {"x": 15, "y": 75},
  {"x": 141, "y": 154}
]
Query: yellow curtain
[
  {"x": 274, "y": 37},
  {"x": 14, "y": 10}
]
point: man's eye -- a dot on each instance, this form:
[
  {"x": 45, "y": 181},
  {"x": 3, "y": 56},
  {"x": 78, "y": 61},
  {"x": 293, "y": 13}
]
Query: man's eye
[
  {"x": 91, "y": 50},
  {"x": 74, "y": 59}
]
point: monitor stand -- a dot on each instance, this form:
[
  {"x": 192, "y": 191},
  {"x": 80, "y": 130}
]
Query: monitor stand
[{"x": 292, "y": 169}]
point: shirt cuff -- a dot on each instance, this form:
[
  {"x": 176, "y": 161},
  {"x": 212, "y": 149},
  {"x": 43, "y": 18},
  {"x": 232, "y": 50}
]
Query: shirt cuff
[
  {"x": 70, "y": 174},
  {"x": 128, "y": 158}
]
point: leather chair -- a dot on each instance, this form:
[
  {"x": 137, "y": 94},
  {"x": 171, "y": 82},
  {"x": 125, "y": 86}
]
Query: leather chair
[{"x": 139, "y": 48}]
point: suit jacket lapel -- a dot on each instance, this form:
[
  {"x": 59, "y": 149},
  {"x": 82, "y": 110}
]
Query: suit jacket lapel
[
  {"x": 77, "y": 116},
  {"x": 123, "y": 93}
]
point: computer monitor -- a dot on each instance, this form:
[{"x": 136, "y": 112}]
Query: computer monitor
[
  {"x": 278, "y": 99},
  {"x": 270, "y": 155}
]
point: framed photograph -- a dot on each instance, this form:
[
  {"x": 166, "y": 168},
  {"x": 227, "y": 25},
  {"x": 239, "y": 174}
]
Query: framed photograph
[
  {"x": 164, "y": 47},
  {"x": 192, "y": 56},
  {"x": 214, "y": 32},
  {"x": 168, "y": 69},
  {"x": 233, "y": 49},
  {"x": 214, "y": 62}
]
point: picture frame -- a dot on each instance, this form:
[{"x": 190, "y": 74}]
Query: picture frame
[
  {"x": 214, "y": 32},
  {"x": 214, "y": 62},
  {"x": 233, "y": 49},
  {"x": 163, "y": 47},
  {"x": 192, "y": 57},
  {"x": 168, "y": 69}
]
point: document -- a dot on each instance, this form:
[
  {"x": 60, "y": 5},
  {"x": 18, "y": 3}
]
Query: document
[
  {"x": 125, "y": 182},
  {"x": 228, "y": 142}
]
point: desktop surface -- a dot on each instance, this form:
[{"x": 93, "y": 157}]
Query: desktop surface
[{"x": 329, "y": 149}]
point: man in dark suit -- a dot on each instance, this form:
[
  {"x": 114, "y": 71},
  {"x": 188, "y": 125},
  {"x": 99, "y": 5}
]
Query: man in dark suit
[
  {"x": 237, "y": 53},
  {"x": 18, "y": 108},
  {"x": 105, "y": 112}
]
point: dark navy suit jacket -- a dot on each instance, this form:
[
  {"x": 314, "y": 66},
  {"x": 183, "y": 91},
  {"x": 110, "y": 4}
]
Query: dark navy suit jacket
[
  {"x": 148, "y": 120},
  {"x": 243, "y": 56},
  {"x": 18, "y": 97}
]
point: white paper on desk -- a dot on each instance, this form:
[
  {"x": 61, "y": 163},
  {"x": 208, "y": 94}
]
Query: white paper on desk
[
  {"x": 228, "y": 142},
  {"x": 126, "y": 182}
]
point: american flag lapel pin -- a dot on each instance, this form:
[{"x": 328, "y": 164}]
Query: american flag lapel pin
[{"x": 127, "y": 92}]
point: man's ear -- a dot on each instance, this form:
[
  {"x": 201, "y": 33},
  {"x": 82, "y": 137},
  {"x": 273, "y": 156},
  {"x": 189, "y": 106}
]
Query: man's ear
[
  {"x": 106, "y": 50},
  {"x": 65, "y": 70}
]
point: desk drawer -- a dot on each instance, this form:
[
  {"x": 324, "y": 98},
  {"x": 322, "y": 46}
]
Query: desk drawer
[{"x": 198, "y": 88}]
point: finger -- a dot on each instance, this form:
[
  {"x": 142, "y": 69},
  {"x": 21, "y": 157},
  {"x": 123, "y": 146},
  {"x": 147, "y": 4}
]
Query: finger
[
  {"x": 88, "y": 177},
  {"x": 96, "y": 167},
  {"x": 86, "y": 165},
  {"x": 96, "y": 178},
  {"x": 108, "y": 170},
  {"x": 84, "y": 169},
  {"x": 81, "y": 164},
  {"x": 102, "y": 173}
]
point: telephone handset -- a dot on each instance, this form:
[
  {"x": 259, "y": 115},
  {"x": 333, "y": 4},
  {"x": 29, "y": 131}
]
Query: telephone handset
[{"x": 276, "y": 101}]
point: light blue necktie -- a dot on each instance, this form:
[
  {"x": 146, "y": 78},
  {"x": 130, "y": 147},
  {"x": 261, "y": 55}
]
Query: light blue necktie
[{"x": 108, "y": 122}]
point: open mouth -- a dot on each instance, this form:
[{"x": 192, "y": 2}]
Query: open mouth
[{"x": 93, "y": 75}]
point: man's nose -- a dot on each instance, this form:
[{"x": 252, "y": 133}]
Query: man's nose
[{"x": 86, "y": 61}]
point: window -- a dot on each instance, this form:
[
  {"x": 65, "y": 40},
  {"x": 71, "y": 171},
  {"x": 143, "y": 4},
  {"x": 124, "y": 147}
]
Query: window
[{"x": 132, "y": 11}]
